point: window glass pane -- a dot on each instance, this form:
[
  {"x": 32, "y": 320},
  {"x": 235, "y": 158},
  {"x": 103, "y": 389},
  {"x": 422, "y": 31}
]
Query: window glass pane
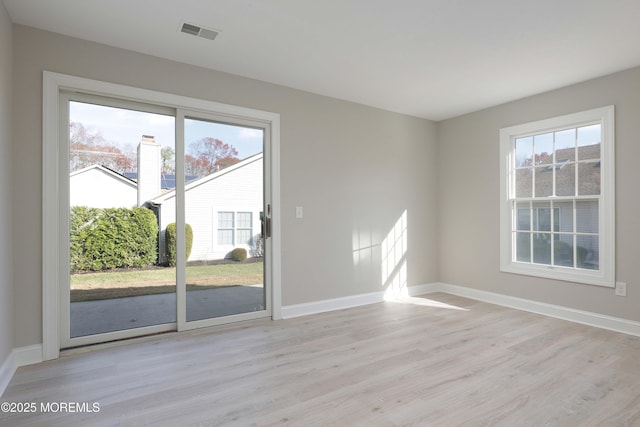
[
  {"x": 244, "y": 228},
  {"x": 524, "y": 182},
  {"x": 587, "y": 216},
  {"x": 225, "y": 228},
  {"x": 589, "y": 138},
  {"x": 523, "y": 216},
  {"x": 121, "y": 171},
  {"x": 225, "y": 219},
  {"x": 225, "y": 237},
  {"x": 565, "y": 142},
  {"x": 563, "y": 250},
  {"x": 566, "y": 179},
  {"x": 541, "y": 216},
  {"x": 244, "y": 237},
  {"x": 524, "y": 151},
  {"x": 589, "y": 179},
  {"x": 564, "y": 212},
  {"x": 588, "y": 252},
  {"x": 589, "y": 135},
  {"x": 589, "y": 152},
  {"x": 556, "y": 220},
  {"x": 544, "y": 181},
  {"x": 543, "y": 148},
  {"x": 542, "y": 248},
  {"x": 244, "y": 219},
  {"x": 523, "y": 247}
]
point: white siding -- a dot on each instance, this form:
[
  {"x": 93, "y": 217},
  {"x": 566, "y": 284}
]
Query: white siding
[
  {"x": 239, "y": 190},
  {"x": 98, "y": 188}
]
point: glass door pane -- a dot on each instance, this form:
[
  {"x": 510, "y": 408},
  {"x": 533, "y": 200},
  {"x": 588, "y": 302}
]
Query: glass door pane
[
  {"x": 224, "y": 207},
  {"x": 120, "y": 162}
]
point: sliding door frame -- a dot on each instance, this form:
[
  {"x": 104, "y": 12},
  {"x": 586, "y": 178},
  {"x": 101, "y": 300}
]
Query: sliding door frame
[
  {"x": 54, "y": 238},
  {"x": 65, "y": 97},
  {"x": 181, "y": 292}
]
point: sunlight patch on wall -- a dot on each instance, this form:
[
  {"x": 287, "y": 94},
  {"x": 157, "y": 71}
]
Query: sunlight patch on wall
[
  {"x": 363, "y": 244},
  {"x": 394, "y": 260},
  {"x": 366, "y": 253}
]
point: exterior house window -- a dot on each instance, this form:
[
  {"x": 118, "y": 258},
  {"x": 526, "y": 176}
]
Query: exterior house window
[
  {"x": 225, "y": 228},
  {"x": 235, "y": 228},
  {"x": 244, "y": 228},
  {"x": 557, "y": 186}
]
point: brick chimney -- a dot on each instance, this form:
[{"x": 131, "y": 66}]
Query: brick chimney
[{"x": 149, "y": 169}]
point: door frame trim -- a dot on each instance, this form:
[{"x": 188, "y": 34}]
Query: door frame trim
[{"x": 52, "y": 239}]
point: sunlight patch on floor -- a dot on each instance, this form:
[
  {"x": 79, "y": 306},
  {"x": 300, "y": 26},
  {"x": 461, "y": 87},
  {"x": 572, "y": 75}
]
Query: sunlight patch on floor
[{"x": 425, "y": 302}]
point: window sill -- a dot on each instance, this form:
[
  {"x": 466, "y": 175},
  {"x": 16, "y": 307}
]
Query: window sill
[{"x": 587, "y": 277}]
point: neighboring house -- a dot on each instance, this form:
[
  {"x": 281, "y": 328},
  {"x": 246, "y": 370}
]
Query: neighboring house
[
  {"x": 167, "y": 181},
  {"x": 223, "y": 209},
  {"x": 539, "y": 176},
  {"x": 100, "y": 187}
]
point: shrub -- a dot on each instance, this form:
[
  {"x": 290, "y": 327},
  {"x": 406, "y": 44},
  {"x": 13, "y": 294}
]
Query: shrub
[
  {"x": 257, "y": 246},
  {"x": 170, "y": 242},
  {"x": 239, "y": 254},
  {"x": 108, "y": 238}
]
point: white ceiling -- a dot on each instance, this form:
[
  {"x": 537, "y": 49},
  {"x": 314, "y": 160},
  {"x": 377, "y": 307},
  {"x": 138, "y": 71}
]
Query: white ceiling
[{"x": 428, "y": 58}]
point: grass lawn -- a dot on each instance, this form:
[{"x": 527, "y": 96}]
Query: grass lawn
[{"x": 125, "y": 283}]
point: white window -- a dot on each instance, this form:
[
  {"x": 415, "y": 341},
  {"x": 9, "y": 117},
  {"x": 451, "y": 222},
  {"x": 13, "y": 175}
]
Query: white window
[
  {"x": 225, "y": 228},
  {"x": 235, "y": 228},
  {"x": 244, "y": 228},
  {"x": 557, "y": 189}
]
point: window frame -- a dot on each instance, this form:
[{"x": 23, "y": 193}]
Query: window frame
[
  {"x": 605, "y": 275},
  {"x": 239, "y": 228},
  {"x": 53, "y": 237},
  {"x": 235, "y": 228},
  {"x": 221, "y": 228}
]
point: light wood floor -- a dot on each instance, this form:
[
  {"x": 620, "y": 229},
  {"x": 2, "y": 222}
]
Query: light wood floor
[{"x": 440, "y": 360}]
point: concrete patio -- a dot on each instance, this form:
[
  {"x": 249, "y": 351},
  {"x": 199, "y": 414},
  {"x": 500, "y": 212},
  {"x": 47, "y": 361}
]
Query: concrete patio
[{"x": 95, "y": 317}]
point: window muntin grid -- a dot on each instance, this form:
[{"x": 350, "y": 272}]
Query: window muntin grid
[
  {"x": 557, "y": 172},
  {"x": 226, "y": 228}
]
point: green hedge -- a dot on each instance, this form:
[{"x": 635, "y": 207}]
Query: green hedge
[
  {"x": 102, "y": 239},
  {"x": 170, "y": 242}
]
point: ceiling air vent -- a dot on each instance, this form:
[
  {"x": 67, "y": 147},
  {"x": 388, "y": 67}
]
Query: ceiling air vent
[{"x": 196, "y": 30}]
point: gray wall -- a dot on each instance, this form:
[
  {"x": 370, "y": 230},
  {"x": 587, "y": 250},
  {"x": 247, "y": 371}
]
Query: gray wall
[
  {"x": 355, "y": 169},
  {"x": 468, "y": 200},
  {"x": 6, "y": 184}
]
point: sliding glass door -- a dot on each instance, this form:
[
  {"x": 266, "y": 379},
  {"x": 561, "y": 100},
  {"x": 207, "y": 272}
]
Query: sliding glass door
[
  {"x": 166, "y": 218},
  {"x": 224, "y": 201},
  {"x": 117, "y": 163},
  {"x": 224, "y": 220}
]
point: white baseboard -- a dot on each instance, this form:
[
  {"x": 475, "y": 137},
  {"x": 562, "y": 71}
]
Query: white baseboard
[
  {"x": 28, "y": 355},
  {"x": 322, "y": 306},
  {"x": 297, "y": 310},
  {"x": 18, "y": 357},
  {"x": 602, "y": 321},
  {"x": 611, "y": 323},
  {"x": 428, "y": 288}
]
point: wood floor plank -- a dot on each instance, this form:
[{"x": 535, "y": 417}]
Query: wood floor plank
[{"x": 439, "y": 360}]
